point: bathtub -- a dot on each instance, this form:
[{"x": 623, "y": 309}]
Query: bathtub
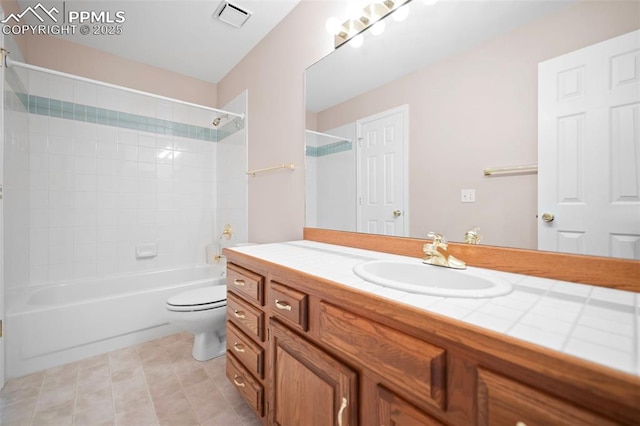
[{"x": 64, "y": 322}]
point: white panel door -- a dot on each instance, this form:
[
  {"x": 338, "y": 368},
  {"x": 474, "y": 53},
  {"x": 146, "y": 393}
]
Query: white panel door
[
  {"x": 382, "y": 170},
  {"x": 589, "y": 150}
]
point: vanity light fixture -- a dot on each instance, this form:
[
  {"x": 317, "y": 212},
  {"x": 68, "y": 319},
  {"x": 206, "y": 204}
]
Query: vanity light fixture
[
  {"x": 378, "y": 28},
  {"x": 367, "y": 17},
  {"x": 401, "y": 14}
]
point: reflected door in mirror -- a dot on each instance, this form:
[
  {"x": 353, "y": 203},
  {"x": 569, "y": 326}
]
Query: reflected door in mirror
[
  {"x": 589, "y": 150},
  {"x": 382, "y": 165}
]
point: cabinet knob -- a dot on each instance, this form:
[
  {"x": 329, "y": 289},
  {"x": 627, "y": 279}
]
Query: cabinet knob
[
  {"x": 238, "y": 347},
  {"x": 521, "y": 424},
  {"x": 283, "y": 305},
  {"x": 341, "y": 411},
  {"x": 239, "y": 314},
  {"x": 239, "y": 283}
]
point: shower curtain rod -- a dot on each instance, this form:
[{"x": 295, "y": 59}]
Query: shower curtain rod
[
  {"x": 327, "y": 135},
  {"x": 11, "y": 63}
]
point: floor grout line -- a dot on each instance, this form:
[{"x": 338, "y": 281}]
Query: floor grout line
[{"x": 173, "y": 352}]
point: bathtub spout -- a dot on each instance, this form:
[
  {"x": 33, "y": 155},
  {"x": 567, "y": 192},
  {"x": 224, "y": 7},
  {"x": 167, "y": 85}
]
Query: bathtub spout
[{"x": 214, "y": 253}]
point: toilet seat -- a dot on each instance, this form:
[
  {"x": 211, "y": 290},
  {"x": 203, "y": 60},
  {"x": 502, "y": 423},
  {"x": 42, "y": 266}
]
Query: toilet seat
[{"x": 200, "y": 299}]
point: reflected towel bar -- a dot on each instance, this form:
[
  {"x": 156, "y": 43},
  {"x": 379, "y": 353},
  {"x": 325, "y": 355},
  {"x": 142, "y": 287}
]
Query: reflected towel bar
[
  {"x": 289, "y": 166},
  {"x": 529, "y": 168}
]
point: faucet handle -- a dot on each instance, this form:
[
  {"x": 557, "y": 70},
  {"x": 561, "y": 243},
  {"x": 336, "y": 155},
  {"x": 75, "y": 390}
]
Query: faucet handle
[
  {"x": 438, "y": 239},
  {"x": 473, "y": 235}
]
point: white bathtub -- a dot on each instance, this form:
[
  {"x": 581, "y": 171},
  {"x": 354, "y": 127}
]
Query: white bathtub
[{"x": 59, "y": 323}]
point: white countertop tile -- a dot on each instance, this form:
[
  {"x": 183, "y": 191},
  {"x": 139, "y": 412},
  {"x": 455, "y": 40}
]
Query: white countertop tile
[
  {"x": 492, "y": 322},
  {"x": 538, "y": 336},
  {"x": 594, "y": 323},
  {"x": 601, "y": 354}
]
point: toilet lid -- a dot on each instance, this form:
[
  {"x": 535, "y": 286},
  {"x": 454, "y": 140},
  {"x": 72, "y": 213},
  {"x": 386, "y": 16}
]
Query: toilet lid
[{"x": 200, "y": 296}]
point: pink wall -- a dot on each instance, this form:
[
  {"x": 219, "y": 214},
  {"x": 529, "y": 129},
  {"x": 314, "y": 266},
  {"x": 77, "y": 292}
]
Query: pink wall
[
  {"x": 479, "y": 109},
  {"x": 273, "y": 73},
  {"x": 73, "y": 58}
]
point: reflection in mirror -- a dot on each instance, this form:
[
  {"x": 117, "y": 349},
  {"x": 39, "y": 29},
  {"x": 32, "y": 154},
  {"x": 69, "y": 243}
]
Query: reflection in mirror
[
  {"x": 469, "y": 75},
  {"x": 330, "y": 178}
]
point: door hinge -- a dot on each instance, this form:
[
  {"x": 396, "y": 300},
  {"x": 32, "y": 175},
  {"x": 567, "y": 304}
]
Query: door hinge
[
  {"x": 0, "y": 328},
  {"x": 360, "y": 142}
]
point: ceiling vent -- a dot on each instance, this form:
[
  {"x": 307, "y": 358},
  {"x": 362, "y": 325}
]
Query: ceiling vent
[{"x": 232, "y": 14}]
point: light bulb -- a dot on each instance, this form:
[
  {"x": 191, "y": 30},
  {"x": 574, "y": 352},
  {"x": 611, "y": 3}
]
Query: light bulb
[
  {"x": 356, "y": 41},
  {"x": 401, "y": 14},
  {"x": 354, "y": 11},
  {"x": 378, "y": 28},
  {"x": 333, "y": 25}
]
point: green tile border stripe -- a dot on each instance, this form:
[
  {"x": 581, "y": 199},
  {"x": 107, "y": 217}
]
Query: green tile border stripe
[
  {"x": 90, "y": 114},
  {"x": 328, "y": 149},
  {"x": 231, "y": 127}
]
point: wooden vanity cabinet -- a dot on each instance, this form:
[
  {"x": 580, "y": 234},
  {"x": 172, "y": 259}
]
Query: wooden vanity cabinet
[
  {"x": 246, "y": 335},
  {"x": 503, "y": 401},
  {"x": 393, "y": 410},
  {"x": 337, "y": 356},
  {"x": 308, "y": 386}
]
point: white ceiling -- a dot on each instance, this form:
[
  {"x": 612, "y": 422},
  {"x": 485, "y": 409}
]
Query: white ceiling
[{"x": 179, "y": 35}]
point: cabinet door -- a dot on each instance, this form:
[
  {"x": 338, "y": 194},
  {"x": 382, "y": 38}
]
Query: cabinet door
[
  {"x": 395, "y": 411},
  {"x": 503, "y": 401},
  {"x": 308, "y": 386}
]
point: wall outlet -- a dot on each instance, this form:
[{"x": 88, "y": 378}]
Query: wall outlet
[{"x": 468, "y": 195}]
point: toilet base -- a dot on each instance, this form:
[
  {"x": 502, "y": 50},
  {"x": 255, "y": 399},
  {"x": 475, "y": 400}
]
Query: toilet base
[{"x": 210, "y": 345}]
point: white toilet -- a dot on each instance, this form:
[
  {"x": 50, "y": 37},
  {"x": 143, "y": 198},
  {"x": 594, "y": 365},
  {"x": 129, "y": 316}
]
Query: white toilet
[{"x": 202, "y": 312}]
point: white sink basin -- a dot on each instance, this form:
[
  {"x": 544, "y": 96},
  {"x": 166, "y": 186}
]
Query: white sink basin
[{"x": 416, "y": 277}]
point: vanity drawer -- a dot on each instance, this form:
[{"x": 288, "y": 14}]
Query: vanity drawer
[
  {"x": 242, "y": 347},
  {"x": 404, "y": 363},
  {"x": 245, "y": 316},
  {"x": 289, "y": 304},
  {"x": 246, "y": 283},
  {"x": 251, "y": 390},
  {"x": 393, "y": 410},
  {"x": 504, "y": 401}
]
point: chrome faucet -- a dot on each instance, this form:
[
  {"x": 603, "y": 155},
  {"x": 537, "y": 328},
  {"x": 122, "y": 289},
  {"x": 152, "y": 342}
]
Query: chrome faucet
[{"x": 433, "y": 256}]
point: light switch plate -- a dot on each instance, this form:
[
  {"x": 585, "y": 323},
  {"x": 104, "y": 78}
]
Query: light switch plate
[{"x": 468, "y": 195}]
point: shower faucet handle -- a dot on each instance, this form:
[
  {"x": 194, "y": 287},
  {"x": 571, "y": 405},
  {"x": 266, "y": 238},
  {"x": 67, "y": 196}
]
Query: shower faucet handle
[{"x": 227, "y": 232}]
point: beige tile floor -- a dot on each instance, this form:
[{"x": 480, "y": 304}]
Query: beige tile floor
[{"x": 154, "y": 383}]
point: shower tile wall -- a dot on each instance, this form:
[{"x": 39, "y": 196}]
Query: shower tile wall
[
  {"x": 232, "y": 203},
  {"x": 97, "y": 190},
  {"x": 16, "y": 182}
]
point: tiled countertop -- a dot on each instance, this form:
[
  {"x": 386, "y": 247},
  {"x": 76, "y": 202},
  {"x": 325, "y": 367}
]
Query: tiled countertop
[{"x": 598, "y": 324}]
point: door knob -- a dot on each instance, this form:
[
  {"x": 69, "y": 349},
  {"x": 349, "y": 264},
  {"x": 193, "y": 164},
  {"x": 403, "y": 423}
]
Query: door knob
[
  {"x": 548, "y": 217},
  {"x": 396, "y": 213}
]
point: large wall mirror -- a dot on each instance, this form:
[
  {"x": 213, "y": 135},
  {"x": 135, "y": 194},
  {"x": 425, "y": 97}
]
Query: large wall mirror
[{"x": 401, "y": 129}]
